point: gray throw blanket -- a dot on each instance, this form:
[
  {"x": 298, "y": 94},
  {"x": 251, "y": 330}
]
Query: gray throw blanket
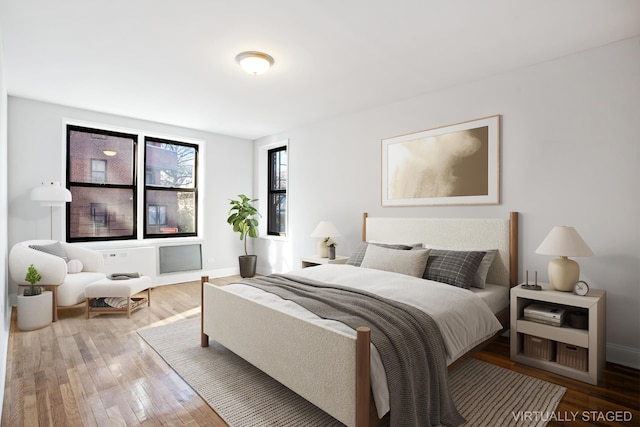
[
  {"x": 123, "y": 276},
  {"x": 408, "y": 340}
]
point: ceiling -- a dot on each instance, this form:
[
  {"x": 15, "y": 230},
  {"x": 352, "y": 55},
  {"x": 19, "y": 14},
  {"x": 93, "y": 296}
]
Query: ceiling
[{"x": 173, "y": 61}]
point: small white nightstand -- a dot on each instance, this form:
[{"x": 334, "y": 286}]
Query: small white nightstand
[
  {"x": 34, "y": 312},
  {"x": 591, "y": 339},
  {"x": 311, "y": 260}
]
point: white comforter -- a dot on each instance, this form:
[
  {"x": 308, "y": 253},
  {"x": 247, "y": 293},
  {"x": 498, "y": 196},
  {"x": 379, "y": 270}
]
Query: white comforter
[{"x": 463, "y": 318}]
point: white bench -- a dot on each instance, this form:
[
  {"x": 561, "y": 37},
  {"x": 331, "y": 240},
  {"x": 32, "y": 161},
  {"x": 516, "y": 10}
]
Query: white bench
[{"x": 106, "y": 288}]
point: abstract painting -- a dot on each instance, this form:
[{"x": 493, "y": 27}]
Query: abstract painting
[{"x": 451, "y": 165}]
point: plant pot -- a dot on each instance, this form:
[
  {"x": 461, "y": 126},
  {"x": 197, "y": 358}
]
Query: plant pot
[
  {"x": 332, "y": 252},
  {"x": 247, "y": 265},
  {"x": 32, "y": 291}
]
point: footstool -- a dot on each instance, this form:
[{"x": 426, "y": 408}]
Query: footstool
[{"x": 108, "y": 288}]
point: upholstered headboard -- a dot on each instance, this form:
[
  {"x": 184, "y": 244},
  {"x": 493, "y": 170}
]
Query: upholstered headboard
[{"x": 461, "y": 233}]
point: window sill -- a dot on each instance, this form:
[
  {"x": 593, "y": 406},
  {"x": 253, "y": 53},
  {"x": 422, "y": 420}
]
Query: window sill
[{"x": 274, "y": 238}]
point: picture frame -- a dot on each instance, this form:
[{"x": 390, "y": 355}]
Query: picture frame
[{"x": 458, "y": 164}]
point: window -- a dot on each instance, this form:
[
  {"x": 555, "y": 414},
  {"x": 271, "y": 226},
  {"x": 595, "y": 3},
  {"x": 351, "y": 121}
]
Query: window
[
  {"x": 101, "y": 177},
  {"x": 277, "y": 191},
  {"x": 170, "y": 188},
  {"x": 99, "y": 214},
  {"x": 98, "y": 171},
  {"x": 157, "y": 215}
]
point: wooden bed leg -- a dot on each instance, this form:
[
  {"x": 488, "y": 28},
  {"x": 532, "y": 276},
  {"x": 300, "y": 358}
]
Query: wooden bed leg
[
  {"x": 204, "y": 339},
  {"x": 363, "y": 380}
]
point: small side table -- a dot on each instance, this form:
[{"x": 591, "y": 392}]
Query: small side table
[
  {"x": 34, "y": 312},
  {"x": 591, "y": 340},
  {"x": 313, "y": 260}
]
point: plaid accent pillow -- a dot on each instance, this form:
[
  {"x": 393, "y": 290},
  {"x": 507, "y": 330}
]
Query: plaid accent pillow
[
  {"x": 456, "y": 268},
  {"x": 357, "y": 257}
]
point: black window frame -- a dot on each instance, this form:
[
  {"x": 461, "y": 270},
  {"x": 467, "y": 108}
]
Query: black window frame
[
  {"x": 133, "y": 187},
  {"x": 271, "y": 192},
  {"x": 193, "y": 190}
]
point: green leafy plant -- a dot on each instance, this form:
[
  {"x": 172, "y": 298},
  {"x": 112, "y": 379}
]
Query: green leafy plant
[
  {"x": 243, "y": 218},
  {"x": 32, "y": 277}
]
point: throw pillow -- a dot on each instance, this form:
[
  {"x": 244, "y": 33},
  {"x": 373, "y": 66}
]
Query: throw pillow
[
  {"x": 455, "y": 268},
  {"x": 480, "y": 278},
  {"x": 52, "y": 249},
  {"x": 411, "y": 263},
  {"x": 74, "y": 266},
  {"x": 357, "y": 257}
]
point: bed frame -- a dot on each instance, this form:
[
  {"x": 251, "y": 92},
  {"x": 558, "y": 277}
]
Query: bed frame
[{"x": 329, "y": 368}]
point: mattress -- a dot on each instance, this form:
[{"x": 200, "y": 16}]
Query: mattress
[{"x": 495, "y": 296}]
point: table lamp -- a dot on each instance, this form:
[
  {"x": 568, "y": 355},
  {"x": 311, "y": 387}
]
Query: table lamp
[
  {"x": 51, "y": 194},
  {"x": 564, "y": 242},
  {"x": 324, "y": 230}
]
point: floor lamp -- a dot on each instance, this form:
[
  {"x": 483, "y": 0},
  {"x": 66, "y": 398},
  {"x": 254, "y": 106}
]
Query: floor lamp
[{"x": 51, "y": 194}]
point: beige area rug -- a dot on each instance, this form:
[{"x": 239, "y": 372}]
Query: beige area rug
[{"x": 486, "y": 395}]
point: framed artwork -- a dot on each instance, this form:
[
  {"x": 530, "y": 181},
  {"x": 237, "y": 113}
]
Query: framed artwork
[{"x": 451, "y": 165}]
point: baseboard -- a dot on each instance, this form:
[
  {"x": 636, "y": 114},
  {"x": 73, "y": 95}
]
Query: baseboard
[{"x": 622, "y": 355}]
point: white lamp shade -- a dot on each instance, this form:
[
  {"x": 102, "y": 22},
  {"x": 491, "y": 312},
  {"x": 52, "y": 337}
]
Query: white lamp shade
[
  {"x": 325, "y": 229},
  {"x": 564, "y": 241},
  {"x": 51, "y": 194}
]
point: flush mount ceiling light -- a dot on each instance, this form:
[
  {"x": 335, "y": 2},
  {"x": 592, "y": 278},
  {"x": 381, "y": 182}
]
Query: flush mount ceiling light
[{"x": 254, "y": 62}]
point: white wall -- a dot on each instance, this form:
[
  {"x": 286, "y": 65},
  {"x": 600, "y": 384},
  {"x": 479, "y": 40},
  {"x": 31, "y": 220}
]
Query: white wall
[
  {"x": 570, "y": 154},
  {"x": 36, "y": 145},
  {"x": 5, "y": 308}
]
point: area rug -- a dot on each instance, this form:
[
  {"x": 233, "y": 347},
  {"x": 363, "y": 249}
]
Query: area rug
[{"x": 486, "y": 395}]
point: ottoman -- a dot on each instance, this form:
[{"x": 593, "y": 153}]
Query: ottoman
[{"x": 118, "y": 290}]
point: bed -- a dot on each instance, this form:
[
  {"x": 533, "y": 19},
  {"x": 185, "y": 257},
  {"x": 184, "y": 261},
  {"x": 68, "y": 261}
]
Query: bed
[{"x": 337, "y": 368}]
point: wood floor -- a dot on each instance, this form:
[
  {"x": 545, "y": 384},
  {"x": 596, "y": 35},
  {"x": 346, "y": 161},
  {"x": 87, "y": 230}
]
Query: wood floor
[{"x": 99, "y": 372}]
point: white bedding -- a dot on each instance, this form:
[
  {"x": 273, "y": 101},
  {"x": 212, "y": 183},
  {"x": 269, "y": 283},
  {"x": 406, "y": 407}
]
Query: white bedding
[
  {"x": 496, "y": 296},
  {"x": 463, "y": 318}
]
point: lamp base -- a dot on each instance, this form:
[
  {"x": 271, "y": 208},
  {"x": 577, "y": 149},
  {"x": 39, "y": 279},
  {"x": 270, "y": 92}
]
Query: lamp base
[
  {"x": 563, "y": 273},
  {"x": 323, "y": 249}
]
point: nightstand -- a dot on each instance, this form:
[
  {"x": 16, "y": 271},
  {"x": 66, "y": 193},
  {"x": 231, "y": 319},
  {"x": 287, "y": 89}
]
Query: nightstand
[
  {"x": 312, "y": 260},
  {"x": 587, "y": 345}
]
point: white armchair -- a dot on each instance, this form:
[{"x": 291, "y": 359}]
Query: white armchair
[{"x": 68, "y": 289}]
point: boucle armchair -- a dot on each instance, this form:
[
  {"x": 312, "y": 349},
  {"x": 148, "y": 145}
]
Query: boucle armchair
[{"x": 65, "y": 269}]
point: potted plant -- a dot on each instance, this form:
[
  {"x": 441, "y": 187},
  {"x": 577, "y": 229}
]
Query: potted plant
[
  {"x": 32, "y": 277},
  {"x": 243, "y": 218}
]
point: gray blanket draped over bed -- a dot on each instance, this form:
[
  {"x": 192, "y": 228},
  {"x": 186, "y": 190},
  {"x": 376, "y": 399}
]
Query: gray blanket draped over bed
[{"x": 408, "y": 340}]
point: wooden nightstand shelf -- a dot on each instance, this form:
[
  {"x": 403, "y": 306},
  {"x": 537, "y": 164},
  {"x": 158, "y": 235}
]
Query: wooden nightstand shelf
[
  {"x": 312, "y": 260},
  {"x": 591, "y": 339}
]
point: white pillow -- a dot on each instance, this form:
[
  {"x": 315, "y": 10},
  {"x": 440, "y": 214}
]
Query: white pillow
[
  {"x": 74, "y": 266},
  {"x": 413, "y": 245},
  {"x": 411, "y": 263}
]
